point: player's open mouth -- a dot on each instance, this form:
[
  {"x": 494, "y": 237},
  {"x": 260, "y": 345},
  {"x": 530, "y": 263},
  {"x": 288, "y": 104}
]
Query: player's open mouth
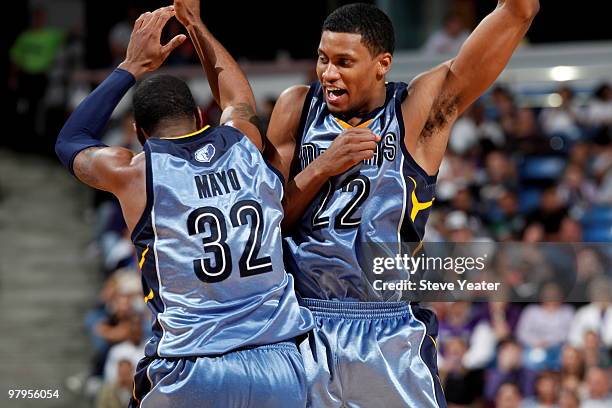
[{"x": 335, "y": 95}]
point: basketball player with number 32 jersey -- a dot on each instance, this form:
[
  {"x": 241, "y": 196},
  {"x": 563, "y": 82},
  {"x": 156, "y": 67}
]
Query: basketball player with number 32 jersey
[{"x": 204, "y": 210}]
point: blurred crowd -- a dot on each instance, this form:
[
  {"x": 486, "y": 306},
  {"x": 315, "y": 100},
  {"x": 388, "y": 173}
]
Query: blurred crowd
[{"x": 530, "y": 175}]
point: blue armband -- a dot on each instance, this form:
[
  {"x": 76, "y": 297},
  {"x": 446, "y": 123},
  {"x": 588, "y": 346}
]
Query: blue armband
[{"x": 84, "y": 127}]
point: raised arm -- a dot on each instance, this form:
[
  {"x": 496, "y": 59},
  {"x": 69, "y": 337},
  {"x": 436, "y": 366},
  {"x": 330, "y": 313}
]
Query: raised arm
[
  {"x": 78, "y": 144},
  {"x": 488, "y": 49},
  {"x": 437, "y": 97},
  {"x": 228, "y": 84}
]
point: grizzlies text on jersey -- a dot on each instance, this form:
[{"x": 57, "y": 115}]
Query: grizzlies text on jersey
[
  {"x": 210, "y": 248},
  {"x": 373, "y": 207}
]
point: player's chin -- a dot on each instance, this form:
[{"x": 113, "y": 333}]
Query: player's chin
[{"x": 335, "y": 107}]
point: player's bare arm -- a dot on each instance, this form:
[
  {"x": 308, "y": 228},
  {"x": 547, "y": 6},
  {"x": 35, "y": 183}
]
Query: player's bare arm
[
  {"x": 117, "y": 169},
  {"x": 228, "y": 84},
  {"x": 283, "y": 128},
  {"x": 349, "y": 148},
  {"x": 437, "y": 97}
]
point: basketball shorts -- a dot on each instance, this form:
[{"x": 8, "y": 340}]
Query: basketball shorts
[
  {"x": 268, "y": 376},
  {"x": 371, "y": 354}
]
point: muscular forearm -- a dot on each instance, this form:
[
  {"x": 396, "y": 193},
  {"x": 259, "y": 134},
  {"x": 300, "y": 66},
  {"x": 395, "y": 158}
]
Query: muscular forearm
[
  {"x": 84, "y": 127},
  {"x": 227, "y": 81},
  {"x": 300, "y": 192},
  {"x": 525, "y": 9}
]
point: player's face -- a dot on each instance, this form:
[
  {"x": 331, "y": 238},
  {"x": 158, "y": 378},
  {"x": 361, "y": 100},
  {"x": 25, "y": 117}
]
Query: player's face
[{"x": 348, "y": 72}]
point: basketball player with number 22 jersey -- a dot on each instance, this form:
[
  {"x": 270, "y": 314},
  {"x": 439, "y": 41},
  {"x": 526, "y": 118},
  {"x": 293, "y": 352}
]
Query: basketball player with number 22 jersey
[{"x": 361, "y": 157}]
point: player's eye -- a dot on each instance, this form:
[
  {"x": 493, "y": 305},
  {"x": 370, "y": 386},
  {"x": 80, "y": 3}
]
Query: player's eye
[
  {"x": 343, "y": 62},
  {"x": 322, "y": 59}
]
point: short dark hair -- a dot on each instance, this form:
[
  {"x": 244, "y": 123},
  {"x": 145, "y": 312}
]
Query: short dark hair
[
  {"x": 373, "y": 24},
  {"x": 159, "y": 98}
]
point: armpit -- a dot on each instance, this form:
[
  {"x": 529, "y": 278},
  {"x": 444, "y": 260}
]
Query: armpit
[{"x": 442, "y": 114}]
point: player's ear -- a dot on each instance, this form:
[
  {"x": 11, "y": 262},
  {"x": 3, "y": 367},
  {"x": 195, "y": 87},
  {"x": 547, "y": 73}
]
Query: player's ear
[
  {"x": 384, "y": 64},
  {"x": 140, "y": 133},
  {"x": 199, "y": 118}
]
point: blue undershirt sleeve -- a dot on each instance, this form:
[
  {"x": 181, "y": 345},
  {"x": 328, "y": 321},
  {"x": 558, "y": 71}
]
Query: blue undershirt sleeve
[{"x": 84, "y": 127}]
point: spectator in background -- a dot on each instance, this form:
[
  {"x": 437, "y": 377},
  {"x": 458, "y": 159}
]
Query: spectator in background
[
  {"x": 508, "y": 369},
  {"x": 473, "y": 130},
  {"x": 597, "y": 393},
  {"x": 524, "y": 136},
  {"x": 580, "y": 155},
  {"x": 543, "y": 328},
  {"x": 602, "y": 172},
  {"x": 546, "y": 391},
  {"x": 533, "y": 232},
  {"x": 449, "y": 38},
  {"x": 503, "y": 317},
  {"x": 595, "y": 353},
  {"x": 564, "y": 119},
  {"x": 596, "y": 316},
  {"x": 568, "y": 399},
  {"x": 550, "y": 213},
  {"x": 570, "y": 230},
  {"x": 599, "y": 108},
  {"x": 117, "y": 326},
  {"x": 455, "y": 172},
  {"x": 32, "y": 57},
  {"x": 505, "y": 219},
  {"x": 117, "y": 394},
  {"x": 462, "y": 387},
  {"x": 132, "y": 349},
  {"x": 500, "y": 176},
  {"x": 508, "y": 396},
  {"x": 572, "y": 368},
  {"x": 461, "y": 321},
  {"x": 504, "y": 108},
  {"x": 589, "y": 265},
  {"x": 576, "y": 190}
]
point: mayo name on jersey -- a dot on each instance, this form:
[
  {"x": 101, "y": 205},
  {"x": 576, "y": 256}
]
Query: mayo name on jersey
[{"x": 210, "y": 247}]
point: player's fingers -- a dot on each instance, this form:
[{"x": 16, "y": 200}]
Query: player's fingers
[
  {"x": 155, "y": 16},
  {"x": 166, "y": 13},
  {"x": 141, "y": 21},
  {"x": 361, "y": 156},
  {"x": 173, "y": 44},
  {"x": 369, "y": 137},
  {"x": 366, "y": 146}
]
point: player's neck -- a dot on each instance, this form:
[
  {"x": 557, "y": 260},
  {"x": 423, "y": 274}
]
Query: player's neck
[
  {"x": 175, "y": 130},
  {"x": 377, "y": 100}
]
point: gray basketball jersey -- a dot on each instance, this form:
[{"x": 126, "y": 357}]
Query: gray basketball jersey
[
  {"x": 210, "y": 247},
  {"x": 366, "y": 212}
]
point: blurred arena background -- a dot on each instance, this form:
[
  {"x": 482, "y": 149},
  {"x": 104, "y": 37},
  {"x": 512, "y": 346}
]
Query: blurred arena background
[{"x": 529, "y": 162}]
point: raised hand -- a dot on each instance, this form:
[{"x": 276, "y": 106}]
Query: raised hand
[
  {"x": 145, "y": 52},
  {"x": 187, "y": 11}
]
